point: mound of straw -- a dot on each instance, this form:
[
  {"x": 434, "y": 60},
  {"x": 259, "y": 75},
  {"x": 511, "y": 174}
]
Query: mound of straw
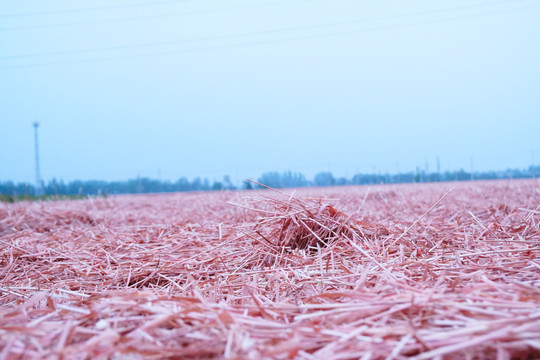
[{"x": 440, "y": 271}]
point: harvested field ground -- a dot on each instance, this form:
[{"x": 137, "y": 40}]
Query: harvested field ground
[{"x": 381, "y": 272}]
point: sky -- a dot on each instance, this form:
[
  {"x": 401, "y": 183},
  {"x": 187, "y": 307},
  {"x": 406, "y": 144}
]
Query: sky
[{"x": 166, "y": 89}]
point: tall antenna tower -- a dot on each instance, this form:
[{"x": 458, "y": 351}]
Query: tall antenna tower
[{"x": 39, "y": 184}]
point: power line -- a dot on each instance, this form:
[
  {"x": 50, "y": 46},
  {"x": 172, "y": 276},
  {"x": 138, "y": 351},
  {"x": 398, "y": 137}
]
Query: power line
[
  {"x": 252, "y": 43},
  {"x": 148, "y": 17},
  {"x": 39, "y": 183},
  {"x": 98, "y": 8},
  {"x": 122, "y": 19},
  {"x": 249, "y": 34},
  {"x": 200, "y": 12},
  {"x": 174, "y": 42}
]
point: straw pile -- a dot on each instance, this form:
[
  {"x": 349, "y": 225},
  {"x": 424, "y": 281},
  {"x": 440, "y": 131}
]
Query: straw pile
[{"x": 386, "y": 272}]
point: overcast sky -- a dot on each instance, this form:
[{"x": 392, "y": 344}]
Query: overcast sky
[{"x": 166, "y": 89}]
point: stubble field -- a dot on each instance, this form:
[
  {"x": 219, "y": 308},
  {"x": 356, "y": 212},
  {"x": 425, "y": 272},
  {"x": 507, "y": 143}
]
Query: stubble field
[{"x": 423, "y": 271}]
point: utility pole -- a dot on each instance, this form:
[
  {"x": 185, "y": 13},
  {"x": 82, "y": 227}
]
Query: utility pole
[
  {"x": 438, "y": 169},
  {"x": 533, "y": 170},
  {"x": 39, "y": 184}
]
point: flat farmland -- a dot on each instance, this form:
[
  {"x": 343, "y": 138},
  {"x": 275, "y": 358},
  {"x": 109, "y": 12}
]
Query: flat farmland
[{"x": 420, "y": 271}]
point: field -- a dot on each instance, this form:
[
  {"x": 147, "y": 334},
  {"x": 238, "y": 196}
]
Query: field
[{"x": 423, "y": 271}]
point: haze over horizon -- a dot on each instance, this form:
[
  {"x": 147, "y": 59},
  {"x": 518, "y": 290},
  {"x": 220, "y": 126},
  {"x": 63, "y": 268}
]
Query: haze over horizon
[{"x": 166, "y": 89}]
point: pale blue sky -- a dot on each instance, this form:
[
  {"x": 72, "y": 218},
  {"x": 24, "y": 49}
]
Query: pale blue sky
[{"x": 203, "y": 87}]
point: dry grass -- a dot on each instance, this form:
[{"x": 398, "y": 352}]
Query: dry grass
[{"x": 386, "y": 272}]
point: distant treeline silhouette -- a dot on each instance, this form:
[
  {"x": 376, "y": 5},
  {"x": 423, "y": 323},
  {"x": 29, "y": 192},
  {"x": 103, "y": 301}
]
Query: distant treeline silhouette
[{"x": 273, "y": 179}]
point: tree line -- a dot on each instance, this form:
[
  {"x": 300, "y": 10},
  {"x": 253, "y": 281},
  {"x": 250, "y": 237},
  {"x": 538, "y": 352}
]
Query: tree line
[{"x": 273, "y": 179}]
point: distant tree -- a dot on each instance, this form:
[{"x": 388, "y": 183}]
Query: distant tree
[
  {"x": 206, "y": 185},
  {"x": 217, "y": 186},
  {"x": 534, "y": 171},
  {"x": 196, "y": 184},
  {"x": 227, "y": 183},
  {"x": 341, "y": 181},
  {"x": 289, "y": 179},
  {"x": 7, "y": 188},
  {"x": 359, "y": 179},
  {"x": 417, "y": 176},
  {"x": 462, "y": 175},
  {"x": 324, "y": 179},
  {"x": 182, "y": 184},
  {"x": 271, "y": 179}
]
